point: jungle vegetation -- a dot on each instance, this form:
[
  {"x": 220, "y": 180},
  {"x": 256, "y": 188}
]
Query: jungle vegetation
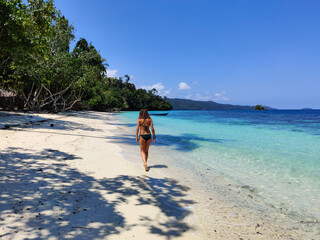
[{"x": 41, "y": 72}]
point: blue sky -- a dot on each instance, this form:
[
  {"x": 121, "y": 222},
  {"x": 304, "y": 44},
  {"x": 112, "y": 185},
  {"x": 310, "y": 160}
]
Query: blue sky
[{"x": 234, "y": 51}]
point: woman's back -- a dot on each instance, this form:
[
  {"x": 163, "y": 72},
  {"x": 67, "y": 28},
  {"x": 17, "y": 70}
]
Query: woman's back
[{"x": 144, "y": 125}]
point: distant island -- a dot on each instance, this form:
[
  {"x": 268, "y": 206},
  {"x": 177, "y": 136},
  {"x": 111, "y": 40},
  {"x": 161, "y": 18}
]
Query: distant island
[
  {"x": 186, "y": 104},
  {"x": 261, "y": 108}
]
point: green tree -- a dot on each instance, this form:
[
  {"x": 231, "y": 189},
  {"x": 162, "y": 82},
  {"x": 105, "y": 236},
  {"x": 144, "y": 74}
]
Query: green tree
[{"x": 37, "y": 65}]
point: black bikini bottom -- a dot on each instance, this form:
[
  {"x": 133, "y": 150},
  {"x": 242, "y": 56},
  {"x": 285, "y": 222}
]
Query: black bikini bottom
[{"x": 146, "y": 136}]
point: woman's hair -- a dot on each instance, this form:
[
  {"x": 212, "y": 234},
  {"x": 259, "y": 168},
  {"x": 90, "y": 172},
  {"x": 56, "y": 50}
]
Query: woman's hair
[{"x": 144, "y": 114}]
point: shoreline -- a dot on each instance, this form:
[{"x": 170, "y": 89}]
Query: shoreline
[
  {"x": 229, "y": 206},
  {"x": 83, "y": 177}
]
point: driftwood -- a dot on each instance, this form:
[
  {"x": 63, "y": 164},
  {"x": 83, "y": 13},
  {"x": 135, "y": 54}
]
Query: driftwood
[{"x": 42, "y": 98}]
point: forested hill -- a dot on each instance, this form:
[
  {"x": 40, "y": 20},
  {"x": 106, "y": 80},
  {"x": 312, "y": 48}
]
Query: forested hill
[{"x": 186, "y": 104}]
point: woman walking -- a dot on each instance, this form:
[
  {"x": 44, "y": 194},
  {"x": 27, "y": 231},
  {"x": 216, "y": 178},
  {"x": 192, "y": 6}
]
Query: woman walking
[{"x": 144, "y": 122}]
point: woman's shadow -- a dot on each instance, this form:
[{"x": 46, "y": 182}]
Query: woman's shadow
[{"x": 158, "y": 166}]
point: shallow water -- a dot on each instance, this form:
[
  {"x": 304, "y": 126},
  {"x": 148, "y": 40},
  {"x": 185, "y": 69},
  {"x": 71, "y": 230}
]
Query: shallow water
[{"x": 276, "y": 153}]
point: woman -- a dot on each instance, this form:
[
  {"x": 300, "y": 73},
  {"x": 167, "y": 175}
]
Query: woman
[{"x": 144, "y": 122}]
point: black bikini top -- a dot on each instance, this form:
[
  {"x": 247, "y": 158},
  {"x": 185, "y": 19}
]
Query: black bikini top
[{"x": 144, "y": 122}]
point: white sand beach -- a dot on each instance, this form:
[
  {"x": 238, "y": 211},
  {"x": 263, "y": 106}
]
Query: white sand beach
[
  {"x": 69, "y": 181},
  {"x": 63, "y": 176}
]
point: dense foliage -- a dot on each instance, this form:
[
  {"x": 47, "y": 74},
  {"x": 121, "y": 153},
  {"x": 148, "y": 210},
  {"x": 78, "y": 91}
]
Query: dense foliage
[{"x": 39, "y": 70}]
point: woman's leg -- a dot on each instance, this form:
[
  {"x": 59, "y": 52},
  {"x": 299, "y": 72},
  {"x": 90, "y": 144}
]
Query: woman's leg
[
  {"x": 142, "y": 147},
  {"x": 146, "y": 150}
]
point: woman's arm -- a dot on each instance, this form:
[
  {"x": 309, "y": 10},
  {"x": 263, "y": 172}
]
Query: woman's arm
[
  {"x": 137, "y": 131},
  {"x": 153, "y": 132}
]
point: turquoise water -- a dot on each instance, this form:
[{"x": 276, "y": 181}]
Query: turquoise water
[{"x": 277, "y": 153}]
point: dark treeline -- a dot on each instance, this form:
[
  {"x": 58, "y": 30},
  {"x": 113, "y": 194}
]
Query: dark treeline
[
  {"x": 187, "y": 104},
  {"x": 39, "y": 72}
]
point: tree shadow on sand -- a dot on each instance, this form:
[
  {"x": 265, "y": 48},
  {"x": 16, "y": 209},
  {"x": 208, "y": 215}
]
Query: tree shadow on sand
[
  {"x": 183, "y": 142},
  {"x": 89, "y": 115},
  {"x": 19, "y": 121},
  {"x": 124, "y": 124},
  {"x": 43, "y": 197}
]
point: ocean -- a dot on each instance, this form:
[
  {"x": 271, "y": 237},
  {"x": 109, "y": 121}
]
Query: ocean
[{"x": 275, "y": 154}]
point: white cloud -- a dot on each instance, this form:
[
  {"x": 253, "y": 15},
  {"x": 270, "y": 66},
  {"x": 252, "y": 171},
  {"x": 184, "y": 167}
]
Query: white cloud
[
  {"x": 206, "y": 96},
  {"x": 195, "y": 82},
  {"x": 221, "y": 96},
  {"x": 166, "y": 93},
  {"x": 159, "y": 86},
  {"x": 201, "y": 97},
  {"x": 112, "y": 73},
  {"x": 183, "y": 86}
]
